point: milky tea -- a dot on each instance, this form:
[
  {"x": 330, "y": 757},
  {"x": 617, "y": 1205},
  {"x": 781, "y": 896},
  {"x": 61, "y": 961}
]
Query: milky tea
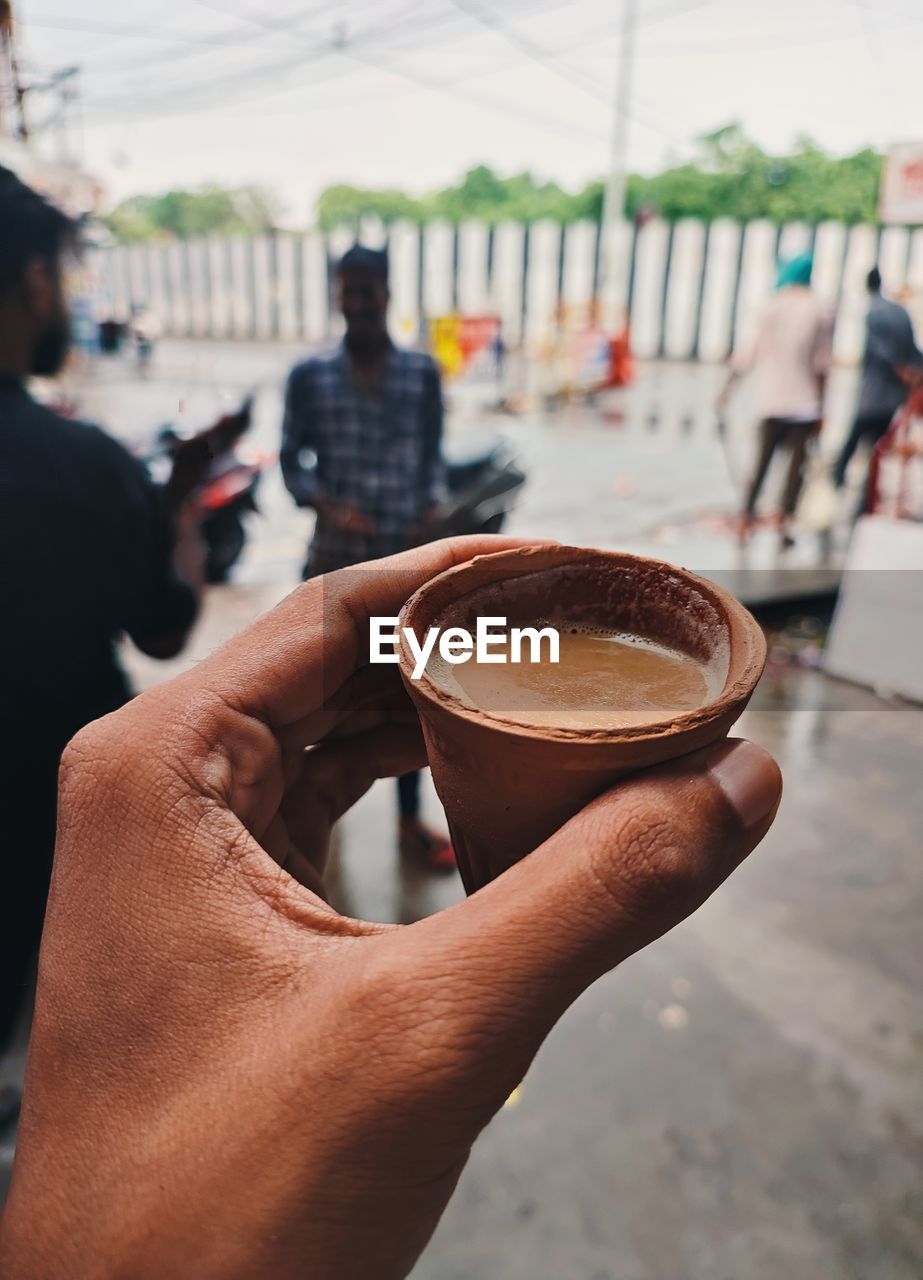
[{"x": 603, "y": 680}]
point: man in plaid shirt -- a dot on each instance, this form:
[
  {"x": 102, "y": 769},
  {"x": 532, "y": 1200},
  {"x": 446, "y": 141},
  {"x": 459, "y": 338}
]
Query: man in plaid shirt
[{"x": 361, "y": 445}]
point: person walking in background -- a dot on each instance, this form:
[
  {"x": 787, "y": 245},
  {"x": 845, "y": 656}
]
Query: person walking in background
[
  {"x": 370, "y": 416},
  {"x": 890, "y": 356},
  {"x": 790, "y": 361},
  {"x": 88, "y": 552},
  {"x": 498, "y": 355}
]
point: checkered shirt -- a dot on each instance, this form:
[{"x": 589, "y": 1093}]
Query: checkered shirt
[{"x": 381, "y": 453}]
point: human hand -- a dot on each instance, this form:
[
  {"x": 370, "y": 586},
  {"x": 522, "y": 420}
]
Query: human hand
[
  {"x": 346, "y": 517},
  {"x": 189, "y": 547},
  {"x": 428, "y": 527},
  {"x": 227, "y": 1079}
]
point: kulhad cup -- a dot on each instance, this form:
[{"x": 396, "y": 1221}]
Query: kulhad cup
[{"x": 506, "y": 785}]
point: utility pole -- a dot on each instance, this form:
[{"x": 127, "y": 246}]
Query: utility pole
[
  {"x": 65, "y": 86},
  {"x": 12, "y": 92},
  {"x": 7, "y": 96},
  {"x": 613, "y": 264}
]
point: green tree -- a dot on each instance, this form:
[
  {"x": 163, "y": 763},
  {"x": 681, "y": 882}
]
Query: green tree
[
  {"x": 130, "y": 223},
  {"x": 344, "y": 205},
  {"x": 481, "y": 194},
  {"x": 729, "y": 176},
  {"x": 181, "y": 214},
  {"x": 733, "y": 177}
]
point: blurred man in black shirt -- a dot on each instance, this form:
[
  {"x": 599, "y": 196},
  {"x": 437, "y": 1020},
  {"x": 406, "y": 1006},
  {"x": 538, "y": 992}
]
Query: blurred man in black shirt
[{"x": 87, "y": 552}]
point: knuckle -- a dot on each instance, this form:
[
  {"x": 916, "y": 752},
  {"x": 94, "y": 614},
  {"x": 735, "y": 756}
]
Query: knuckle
[
  {"x": 120, "y": 755},
  {"x": 651, "y": 861},
  {"x": 217, "y": 747},
  {"x": 642, "y": 842},
  {"x": 81, "y": 749},
  {"x": 97, "y": 751}
]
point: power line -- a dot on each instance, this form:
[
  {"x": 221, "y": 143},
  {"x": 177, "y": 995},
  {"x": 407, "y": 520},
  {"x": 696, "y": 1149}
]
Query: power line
[
  {"x": 240, "y": 82},
  {"x": 243, "y": 85},
  {"x": 476, "y": 99},
  {"x": 533, "y": 50},
  {"x": 236, "y": 81},
  {"x": 121, "y": 32},
  {"x": 192, "y": 46},
  {"x": 547, "y": 59},
  {"x": 537, "y": 53},
  {"x": 803, "y": 40},
  {"x": 350, "y": 50},
  {"x": 201, "y": 45},
  {"x": 436, "y": 21},
  {"x": 246, "y": 86},
  {"x": 281, "y": 25}
]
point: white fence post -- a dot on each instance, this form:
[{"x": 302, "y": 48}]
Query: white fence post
[
  {"x": 506, "y": 284},
  {"x": 541, "y": 286},
  {"x": 696, "y": 288},
  {"x": 437, "y": 282},
  {"x": 473, "y": 292},
  {"x": 650, "y": 254},
  {"x": 405, "y": 289}
]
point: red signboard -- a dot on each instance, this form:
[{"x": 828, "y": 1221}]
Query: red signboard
[{"x": 901, "y": 201}]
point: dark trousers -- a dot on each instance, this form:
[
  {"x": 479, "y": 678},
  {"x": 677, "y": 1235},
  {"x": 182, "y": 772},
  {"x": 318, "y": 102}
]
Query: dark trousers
[
  {"x": 779, "y": 433},
  {"x": 867, "y": 429},
  {"x": 408, "y": 794}
]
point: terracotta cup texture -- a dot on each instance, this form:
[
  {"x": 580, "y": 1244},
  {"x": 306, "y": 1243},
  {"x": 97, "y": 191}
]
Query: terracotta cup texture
[{"x": 507, "y": 786}]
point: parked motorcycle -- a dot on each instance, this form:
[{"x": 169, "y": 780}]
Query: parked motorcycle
[
  {"x": 228, "y": 494},
  {"x": 483, "y": 485},
  {"x": 221, "y": 475}
]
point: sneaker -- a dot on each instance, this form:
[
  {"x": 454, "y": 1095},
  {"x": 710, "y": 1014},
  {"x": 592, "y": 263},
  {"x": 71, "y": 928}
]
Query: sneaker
[{"x": 427, "y": 848}]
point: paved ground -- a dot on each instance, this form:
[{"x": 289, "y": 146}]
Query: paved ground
[{"x": 742, "y": 1100}]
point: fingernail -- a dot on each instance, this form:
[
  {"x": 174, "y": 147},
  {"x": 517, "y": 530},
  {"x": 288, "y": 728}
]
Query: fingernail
[{"x": 749, "y": 778}]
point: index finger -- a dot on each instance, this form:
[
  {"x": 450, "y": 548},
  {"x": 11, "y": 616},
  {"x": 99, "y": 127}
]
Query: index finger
[{"x": 291, "y": 660}]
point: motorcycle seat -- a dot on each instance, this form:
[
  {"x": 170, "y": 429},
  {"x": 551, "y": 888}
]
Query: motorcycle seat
[{"x": 464, "y": 465}]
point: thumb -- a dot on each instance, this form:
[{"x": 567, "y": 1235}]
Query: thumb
[{"x": 620, "y": 874}]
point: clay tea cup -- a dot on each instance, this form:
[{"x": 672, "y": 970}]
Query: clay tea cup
[{"x": 507, "y": 785}]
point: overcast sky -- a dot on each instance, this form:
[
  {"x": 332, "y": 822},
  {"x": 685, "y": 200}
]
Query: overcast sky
[{"x": 296, "y": 95}]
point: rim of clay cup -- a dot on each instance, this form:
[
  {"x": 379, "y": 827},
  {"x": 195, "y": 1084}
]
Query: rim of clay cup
[{"x": 746, "y": 647}]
